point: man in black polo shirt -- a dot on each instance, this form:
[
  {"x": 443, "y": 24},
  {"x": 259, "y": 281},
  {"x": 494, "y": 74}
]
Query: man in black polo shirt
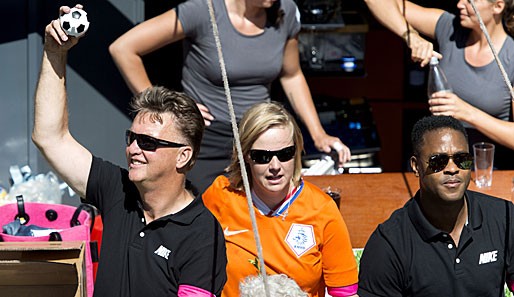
[
  {"x": 158, "y": 239},
  {"x": 446, "y": 241}
]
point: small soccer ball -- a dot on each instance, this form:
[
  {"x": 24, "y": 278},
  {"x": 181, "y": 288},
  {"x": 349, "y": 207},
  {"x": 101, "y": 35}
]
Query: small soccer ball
[{"x": 75, "y": 22}]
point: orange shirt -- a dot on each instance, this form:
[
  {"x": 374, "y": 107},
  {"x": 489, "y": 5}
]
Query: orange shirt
[{"x": 310, "y": 244}]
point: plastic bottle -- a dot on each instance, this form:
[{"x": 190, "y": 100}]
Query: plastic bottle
[{"x": 436, "y": 79}]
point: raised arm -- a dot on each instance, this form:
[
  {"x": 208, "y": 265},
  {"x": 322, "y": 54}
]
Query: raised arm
[
  {"x": 298, "y": 93},
  {"x": 51, "y": 134},
  {"x": 424, "y": 20},
  {"x": 144, "y": 38}
]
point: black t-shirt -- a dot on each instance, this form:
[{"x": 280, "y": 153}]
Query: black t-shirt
[
  {"x": 407, "y": 256},
  {"x": 138, "y": 259}
]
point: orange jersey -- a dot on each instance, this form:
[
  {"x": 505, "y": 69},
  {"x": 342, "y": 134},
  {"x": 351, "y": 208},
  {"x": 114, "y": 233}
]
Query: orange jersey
[{"x": 310, "y": 244}]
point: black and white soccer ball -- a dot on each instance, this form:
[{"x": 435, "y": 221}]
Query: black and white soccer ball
[{"x": 75, "y": 22}]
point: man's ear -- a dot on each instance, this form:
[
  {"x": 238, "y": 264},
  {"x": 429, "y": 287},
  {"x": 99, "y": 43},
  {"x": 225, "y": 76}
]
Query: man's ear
[
  {"x": 184, "y": 155},
  {"x": 414, "y": 165}
]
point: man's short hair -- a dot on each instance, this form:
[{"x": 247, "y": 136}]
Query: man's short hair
[
  {"x": 279, "y": 286},
  {"x": 185, "y": 114},
  {"x": 432, "y": 123},
  {"x": 257, "y": 120}
]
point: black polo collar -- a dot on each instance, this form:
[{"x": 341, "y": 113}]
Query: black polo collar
[
  {"x": 186, "y": 216},
  {"x": 427, "y": 231}
]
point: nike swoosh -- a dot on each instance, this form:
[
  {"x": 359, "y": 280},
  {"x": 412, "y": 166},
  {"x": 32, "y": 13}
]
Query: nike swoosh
[{"x": 230, "y": 233}]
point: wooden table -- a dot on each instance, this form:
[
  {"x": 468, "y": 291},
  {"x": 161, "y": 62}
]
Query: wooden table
[{"x": 369, "y": 199}]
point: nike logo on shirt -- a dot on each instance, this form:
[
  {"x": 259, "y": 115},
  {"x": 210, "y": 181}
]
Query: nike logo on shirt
[
  {"x": 230, "y": 233},
  {"x": 163, "y": 252}
]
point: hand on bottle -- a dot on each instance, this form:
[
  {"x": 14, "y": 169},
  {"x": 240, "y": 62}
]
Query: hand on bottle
[
  {"x": 56, "y": 39},
  {"x": 422, "y": 50},
  {"x": 326, "y": 142},
  {"x": 207, "y": 116},
  {"x": 449, "y": 104}
]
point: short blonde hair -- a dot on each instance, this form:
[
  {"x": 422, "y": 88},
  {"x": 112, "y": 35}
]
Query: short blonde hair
[{"x": 256, "y": 121}]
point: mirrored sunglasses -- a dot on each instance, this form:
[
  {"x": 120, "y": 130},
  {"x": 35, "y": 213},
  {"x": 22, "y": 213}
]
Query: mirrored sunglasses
[
  {"x": 148, "y": 143},
  {"x": 438, "y": 162},
  {"x": 264, "y": 156}
]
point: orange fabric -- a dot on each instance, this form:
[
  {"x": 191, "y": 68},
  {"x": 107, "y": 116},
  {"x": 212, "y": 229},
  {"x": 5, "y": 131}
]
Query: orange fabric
[{"x": 329, "y": 261}]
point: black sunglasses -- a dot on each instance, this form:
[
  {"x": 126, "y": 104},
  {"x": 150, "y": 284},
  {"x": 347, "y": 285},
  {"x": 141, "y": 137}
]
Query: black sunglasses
[
  {"x": 438, "y": 162},
  {"x": 264, "y": 157},
  {"x": 148, "y": 143}
]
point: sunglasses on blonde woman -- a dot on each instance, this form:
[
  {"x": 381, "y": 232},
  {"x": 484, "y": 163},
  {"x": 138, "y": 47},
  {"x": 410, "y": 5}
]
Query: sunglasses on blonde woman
[{"x": 264, "y": 156}]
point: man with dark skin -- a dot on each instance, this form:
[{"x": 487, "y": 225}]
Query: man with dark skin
[
  {"x": 442, "y": 193},
  {"x": 446, "y": 240}
]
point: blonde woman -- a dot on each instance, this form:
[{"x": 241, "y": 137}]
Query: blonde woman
[{"x": 302, "y": 232}]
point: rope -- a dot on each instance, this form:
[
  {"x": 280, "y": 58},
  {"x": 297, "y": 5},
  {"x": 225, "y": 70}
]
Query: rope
[
  {"x": 484, "y": 29},
  {"x": 238, "y": 147},
  {"x": 407, "y": 24}
]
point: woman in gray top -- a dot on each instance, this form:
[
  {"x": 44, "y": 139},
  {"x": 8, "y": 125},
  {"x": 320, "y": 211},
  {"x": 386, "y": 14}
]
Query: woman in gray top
[
  {"x": 480, "y": 99},
  {"x": 259, "y": 43}
]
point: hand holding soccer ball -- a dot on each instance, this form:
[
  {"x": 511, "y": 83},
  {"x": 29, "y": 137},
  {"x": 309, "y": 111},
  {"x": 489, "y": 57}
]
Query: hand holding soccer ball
[
  {"x": 63, "y": 33},
  {"x": 75, "y": 22}
]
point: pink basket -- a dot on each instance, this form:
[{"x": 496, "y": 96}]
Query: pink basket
[{"x": 37, "y": 215}]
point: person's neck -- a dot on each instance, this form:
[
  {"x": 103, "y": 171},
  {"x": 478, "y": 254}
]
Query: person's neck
[
  {"x": 164, "y": 199},
  {"x": 273, "y": 199},
  {"x": 242, "y": 9},
  {"x": 496, "y": 33},
  {"x": 446, "y": 216}
]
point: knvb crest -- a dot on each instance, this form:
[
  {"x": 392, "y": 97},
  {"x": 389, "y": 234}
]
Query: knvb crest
[{"x": 300, "y": 238}]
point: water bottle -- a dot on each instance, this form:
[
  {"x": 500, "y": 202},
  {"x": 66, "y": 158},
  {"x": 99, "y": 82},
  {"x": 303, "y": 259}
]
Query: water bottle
[{"x": 436, "y": 79}]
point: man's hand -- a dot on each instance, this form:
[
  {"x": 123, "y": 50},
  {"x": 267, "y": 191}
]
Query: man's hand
[{"x": 56, "y": 40}]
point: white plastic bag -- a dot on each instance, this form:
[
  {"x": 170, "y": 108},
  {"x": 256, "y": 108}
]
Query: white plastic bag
[{"x": 43, "y": 188}]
